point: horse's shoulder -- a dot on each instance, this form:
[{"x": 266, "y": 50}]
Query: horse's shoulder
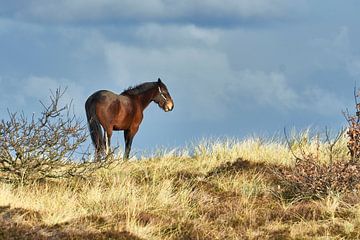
[{"x": 124, "y": 98}]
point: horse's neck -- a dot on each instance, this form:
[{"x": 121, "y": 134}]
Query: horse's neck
[{"x": 146, "y": 98}]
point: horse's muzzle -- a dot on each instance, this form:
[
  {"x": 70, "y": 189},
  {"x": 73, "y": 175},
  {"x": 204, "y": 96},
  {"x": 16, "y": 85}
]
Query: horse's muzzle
[{"x": 169, "y": 106}]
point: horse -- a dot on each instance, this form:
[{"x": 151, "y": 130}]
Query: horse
[{"x": 107, "y": 112}]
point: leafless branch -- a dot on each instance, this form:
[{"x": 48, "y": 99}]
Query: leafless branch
[{"x": 33, "y": 149}]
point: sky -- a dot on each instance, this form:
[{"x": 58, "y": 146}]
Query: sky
[{"x": 235, "y": 68}]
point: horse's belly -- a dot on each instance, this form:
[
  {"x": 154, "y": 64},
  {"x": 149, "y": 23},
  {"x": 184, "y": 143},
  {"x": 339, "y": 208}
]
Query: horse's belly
[
  {"x": 122, "y": 122},
  {"x": 119, "y": 128}
]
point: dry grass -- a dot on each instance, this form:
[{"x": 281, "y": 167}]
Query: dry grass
[{"x": 225, "y": 190}]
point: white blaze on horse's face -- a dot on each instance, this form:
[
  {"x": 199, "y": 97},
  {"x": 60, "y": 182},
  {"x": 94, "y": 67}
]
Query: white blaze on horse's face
[
  {"x": 162, "y": 94},
  {"x": 169, "y": 105}
]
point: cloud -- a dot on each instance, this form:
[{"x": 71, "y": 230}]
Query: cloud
[
  {"x": 194, "y": 61},
  {"x": 339, "y": 52},
  {"x": 321, "y": 101},
  {"x": 204, "y": 11},
  {"x": 265, "y": 88},
  {"x": 25, "y": 93},
  {"x": 194, "y": 74},
  {"x": 169, "y": 35},
  {"x": 40, "y": 87},
  {"x": 203, "y": 78},
  {"x": 353, "y": 66}
]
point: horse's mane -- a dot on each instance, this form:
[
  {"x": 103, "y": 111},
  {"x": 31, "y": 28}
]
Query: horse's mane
[{"x": 139, "y": 88}]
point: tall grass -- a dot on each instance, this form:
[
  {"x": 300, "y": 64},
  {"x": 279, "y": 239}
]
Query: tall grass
[{"x": 221, "y": 189}]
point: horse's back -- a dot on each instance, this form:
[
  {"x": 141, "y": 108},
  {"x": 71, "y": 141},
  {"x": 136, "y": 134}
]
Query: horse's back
[
  {"x": 100, "y": 96},
  {"x": 99, "y": 99},
  {"x": 111, "y": 108}
]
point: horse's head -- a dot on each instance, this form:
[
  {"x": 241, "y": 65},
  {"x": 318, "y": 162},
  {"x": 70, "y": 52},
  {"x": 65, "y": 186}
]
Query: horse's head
[{"x": 163, "y": 98}]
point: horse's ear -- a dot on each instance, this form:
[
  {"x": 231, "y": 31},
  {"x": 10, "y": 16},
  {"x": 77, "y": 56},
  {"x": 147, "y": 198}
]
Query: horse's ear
[{"x": 159, "y": 80}]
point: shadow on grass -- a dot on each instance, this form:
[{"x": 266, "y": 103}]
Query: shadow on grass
[
  {"x": 239, "y": 165},
  {"x": 20, "y": 224}
]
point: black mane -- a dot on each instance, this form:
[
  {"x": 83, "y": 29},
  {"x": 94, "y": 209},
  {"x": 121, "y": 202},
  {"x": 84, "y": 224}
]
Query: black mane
[{"x": 139, "y": 88}]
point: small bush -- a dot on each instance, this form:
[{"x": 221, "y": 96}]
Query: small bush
[
  {"x": 42, "y": 147},
  {"x": 322, "y": 167},
  {"x": 312, "y": 179}
]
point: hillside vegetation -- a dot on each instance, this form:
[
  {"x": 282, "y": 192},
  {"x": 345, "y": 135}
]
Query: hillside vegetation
[{"x": 228, "y": 189}]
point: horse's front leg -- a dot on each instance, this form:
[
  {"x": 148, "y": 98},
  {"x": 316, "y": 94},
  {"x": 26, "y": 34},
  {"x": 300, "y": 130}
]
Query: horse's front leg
[{"x": 128, "y": 135}]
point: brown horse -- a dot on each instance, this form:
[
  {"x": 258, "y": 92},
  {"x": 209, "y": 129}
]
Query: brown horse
[{"x": 114, "y": 112}]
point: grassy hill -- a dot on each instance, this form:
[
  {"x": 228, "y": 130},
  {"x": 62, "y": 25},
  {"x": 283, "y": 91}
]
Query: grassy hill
[{"x": 229, "y": 189}]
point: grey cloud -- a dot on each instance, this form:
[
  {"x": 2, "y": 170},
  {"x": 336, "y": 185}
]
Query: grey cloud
[
  {"x": 171, "y": 35},
  {"x": 339, "y": 51},
  {"x": 194, "y": 61},
  {"x": 204, "y": 12},
  {"x": 204, "y": 79},
  {"x": 322, "y": 101},
  {"x": 38, "y": 88},
  {"x": 265, "y": 88}
]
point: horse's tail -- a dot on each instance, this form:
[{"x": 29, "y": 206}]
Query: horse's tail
[{"x": 94, "y": 125}]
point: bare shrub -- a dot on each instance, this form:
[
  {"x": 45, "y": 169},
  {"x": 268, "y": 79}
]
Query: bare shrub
[
  {"x": 33, "y": 149},
  {"x": 312, "y": 179},
  {"x": 316, "y": 177},
  {"x": 353, "y": 131}
]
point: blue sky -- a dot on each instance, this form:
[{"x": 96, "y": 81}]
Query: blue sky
[{"x": 234, "y": 67}]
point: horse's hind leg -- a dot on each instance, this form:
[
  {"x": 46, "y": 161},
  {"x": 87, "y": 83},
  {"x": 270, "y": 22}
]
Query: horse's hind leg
[
  {"x": 107, "y": 138},
  {"x": 106, "y": 143}
]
